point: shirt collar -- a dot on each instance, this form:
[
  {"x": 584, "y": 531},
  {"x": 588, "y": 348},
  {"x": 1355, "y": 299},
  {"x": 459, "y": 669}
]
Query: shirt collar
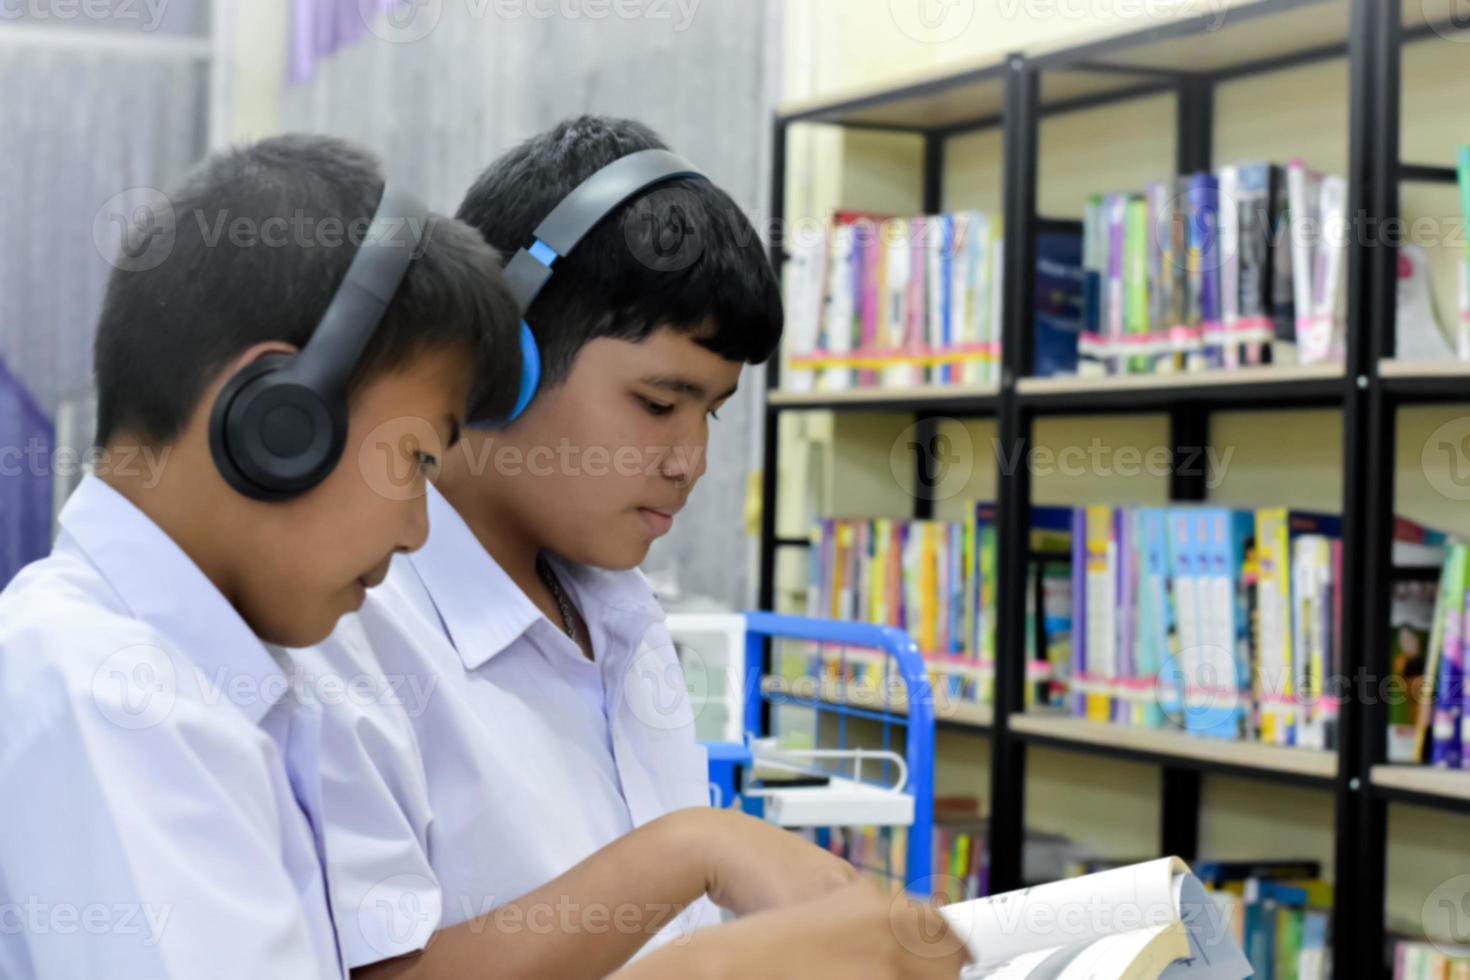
[
  {"x": 161, "y": 586},
  {"x": 482, "y": 608}
]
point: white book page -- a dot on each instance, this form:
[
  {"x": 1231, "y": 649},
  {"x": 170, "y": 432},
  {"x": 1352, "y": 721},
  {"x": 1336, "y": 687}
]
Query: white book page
[
  {"x": 1213, "y": 953},
  {"x": 1126, "y": 955},
  {"x": 1065, "y": 913}
]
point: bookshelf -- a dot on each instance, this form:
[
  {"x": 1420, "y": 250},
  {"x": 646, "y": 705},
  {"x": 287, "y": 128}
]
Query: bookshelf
[
  {"x": 1189, "y": 59},
  {"x": 1298, "y": 766}
]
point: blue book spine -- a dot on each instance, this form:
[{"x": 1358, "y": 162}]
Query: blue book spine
[{"x": 1155, "y": 590}]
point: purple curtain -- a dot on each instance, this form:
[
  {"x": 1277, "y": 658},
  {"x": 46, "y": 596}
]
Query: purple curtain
[
  {"x": 25, "y": 477},
  {"x": 321, "y": 27}
]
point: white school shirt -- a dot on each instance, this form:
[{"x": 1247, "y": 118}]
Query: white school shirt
[
  {"x": 478, "y": 753},
  {"x": 156, "y": 787}
]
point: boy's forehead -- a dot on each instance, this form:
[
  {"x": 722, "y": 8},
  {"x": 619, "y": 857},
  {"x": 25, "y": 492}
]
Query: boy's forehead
[
  {"x": 434, "y": 384},
  {"x": 672, "y": 359}
]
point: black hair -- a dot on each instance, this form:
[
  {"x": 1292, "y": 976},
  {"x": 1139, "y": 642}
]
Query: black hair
[
  {"x": 168, "y": 328},
  {"x": 680, "y": 255}
]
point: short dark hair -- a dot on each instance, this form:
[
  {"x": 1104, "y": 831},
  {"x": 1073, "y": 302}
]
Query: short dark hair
[
  {"x": 717, "y": 284},
  {"x": 167, "y": 331}
]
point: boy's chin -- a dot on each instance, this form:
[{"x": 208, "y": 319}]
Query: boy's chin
[
  {"x": 613, "y": 556},
  {"x": 304, "y": 630}
]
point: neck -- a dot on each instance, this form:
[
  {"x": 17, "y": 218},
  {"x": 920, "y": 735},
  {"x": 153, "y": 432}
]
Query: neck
[
  {"x": 170, "y": 501},
  {"x": 513, "y": 546}
]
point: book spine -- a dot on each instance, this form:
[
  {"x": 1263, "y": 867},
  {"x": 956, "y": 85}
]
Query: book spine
[
  {"x": 1115, "y": 205},
  {"x": 1283, "y": 290},
  {"x": 1443, "y": 750},
  {"x": 1090, "y": 360},
  {"x": 1184, "y": 344},
  {"x": 1135, "y": 283},
  {"x": 1229, "y": 241},
  {"x": 1080, "y": 579},
  {"x": 1206, "y": 189},
  {"x": 1303, "y": 191}
]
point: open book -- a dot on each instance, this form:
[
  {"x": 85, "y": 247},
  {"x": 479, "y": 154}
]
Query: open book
[{"x": 1145, "y": 921}]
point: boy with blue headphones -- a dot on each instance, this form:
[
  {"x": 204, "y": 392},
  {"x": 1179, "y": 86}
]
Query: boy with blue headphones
[{"x": 559, "y": 726}]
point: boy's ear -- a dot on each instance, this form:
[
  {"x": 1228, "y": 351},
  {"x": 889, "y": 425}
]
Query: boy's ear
[
  {"x": 254, "y": 353},
  {"x": 246, "y": 357}
]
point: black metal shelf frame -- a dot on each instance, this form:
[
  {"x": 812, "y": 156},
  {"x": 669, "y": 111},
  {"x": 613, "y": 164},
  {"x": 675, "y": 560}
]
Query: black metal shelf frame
[{"x": 1372, "y": 50}]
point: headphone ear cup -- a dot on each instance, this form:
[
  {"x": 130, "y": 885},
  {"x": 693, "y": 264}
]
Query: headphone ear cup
[
  {"x": 530, "y": 371},
  {"x": 271, "y": 437}
]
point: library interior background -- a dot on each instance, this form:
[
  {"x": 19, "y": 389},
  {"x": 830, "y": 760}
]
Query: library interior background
[{"x": 1126, "y": 372}]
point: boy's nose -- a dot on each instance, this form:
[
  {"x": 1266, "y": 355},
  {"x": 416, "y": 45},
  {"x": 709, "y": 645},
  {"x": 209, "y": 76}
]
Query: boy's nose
[
  {"x": 416, "y": 524},
  {"x": 685, "y": 463}
]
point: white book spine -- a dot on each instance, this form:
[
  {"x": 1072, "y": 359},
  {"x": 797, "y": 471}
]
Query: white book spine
[{"x": 1230, "y": 262}]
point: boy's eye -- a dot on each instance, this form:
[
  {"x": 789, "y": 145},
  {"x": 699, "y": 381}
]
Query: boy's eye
[
  {"x": 714, "y": 413},
  {"x": 655, "y": 408},
  {"x": 427, "y": 461}
]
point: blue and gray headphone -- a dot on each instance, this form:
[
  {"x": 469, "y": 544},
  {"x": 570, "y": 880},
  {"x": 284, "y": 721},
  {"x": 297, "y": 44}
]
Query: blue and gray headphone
[{"x": 278, "y": 427}]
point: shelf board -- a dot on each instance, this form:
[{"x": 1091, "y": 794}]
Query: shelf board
[
  {"x": 1174, "y": 748},
  {"x": 947, "y": 711},
  {"x": 1219, "y": 40},
  {"x": 1392, "y": 367},
  {"x": 974, "y": 399},
  {"x": 1444, "y": 381},
  {"x": 1249, "y": 37},
  {"x": 958, "y": 96},
  {"x": 1443, "y": 788},
  {"x": 1314, "y": 385}
]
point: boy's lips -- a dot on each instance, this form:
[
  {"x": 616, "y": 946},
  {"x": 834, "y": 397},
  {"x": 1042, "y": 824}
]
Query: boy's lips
[{"x": 658, "y": 519}]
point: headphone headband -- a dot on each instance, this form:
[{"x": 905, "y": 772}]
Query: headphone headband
[
  {"x": 377, "y": 270},
  {"x": 581, "y": 211}
]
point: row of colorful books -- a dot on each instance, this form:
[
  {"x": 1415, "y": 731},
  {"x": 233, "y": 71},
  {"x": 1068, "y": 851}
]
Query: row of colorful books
[
  {"x": 937, "y": 580},
  {"x": 1244, "y": 266},
  {"x": 1414, "y": 960},
  {"x": 1225, "y": 623},
  {"x": 893, "y": 302}
]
